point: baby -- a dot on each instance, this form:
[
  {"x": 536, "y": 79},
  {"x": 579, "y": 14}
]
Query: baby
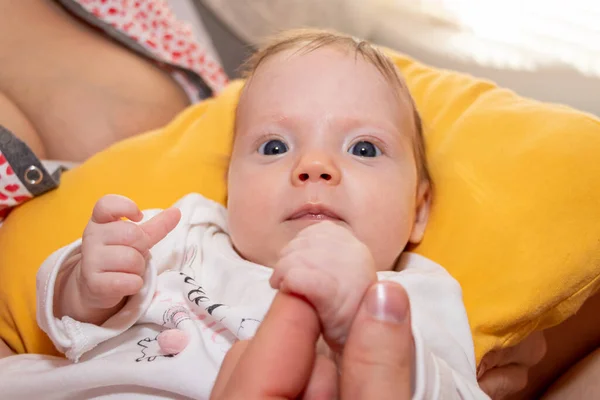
[{"x": 327, "y": 186}]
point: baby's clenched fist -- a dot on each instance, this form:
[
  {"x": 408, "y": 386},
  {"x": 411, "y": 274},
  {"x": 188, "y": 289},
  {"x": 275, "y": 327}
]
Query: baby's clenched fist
[{"x": 332, "y": 269}]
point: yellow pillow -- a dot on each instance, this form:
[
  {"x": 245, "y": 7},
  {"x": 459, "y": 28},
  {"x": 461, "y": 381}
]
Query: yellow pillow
[{"x": 515, "y": 218}]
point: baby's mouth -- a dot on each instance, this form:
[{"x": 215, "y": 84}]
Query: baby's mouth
[{"x": 314, "y": 212}]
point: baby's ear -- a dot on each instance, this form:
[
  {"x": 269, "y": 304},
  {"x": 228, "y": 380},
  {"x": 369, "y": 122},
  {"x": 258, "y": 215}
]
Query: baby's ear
[{"x": 423, "y": 204}]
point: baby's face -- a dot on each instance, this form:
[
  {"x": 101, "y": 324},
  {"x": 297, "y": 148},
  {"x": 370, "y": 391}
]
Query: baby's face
[{"x": 323, "y": 136}]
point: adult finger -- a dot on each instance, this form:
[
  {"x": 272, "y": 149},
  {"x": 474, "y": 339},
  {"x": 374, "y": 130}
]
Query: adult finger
[
  {"x": 160, "y": 225},
  {"x": 504, "y": 372},
  {"x": 278, "y": 361},
  {"x": 378, "y": 358},
  {"x": 227, "y": 367},
  {"x": 114, "y": 207},
  {"x": 527, "y": 353},
  {"x": 323, "y": 382},
  {"x": 501, "y": 382}
]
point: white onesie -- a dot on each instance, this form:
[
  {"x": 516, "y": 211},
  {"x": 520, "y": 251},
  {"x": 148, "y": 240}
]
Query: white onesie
[{"x": 196, "y": 282}]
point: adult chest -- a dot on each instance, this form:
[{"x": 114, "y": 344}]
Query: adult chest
[{"x": 79, "y": 90}]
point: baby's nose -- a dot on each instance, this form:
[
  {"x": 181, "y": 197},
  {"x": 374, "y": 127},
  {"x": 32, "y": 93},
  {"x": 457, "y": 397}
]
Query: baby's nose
[{"x": 316, "y": 168}]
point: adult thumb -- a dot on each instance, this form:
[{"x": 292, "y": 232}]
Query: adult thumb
[{"x": 378, "y": 358}]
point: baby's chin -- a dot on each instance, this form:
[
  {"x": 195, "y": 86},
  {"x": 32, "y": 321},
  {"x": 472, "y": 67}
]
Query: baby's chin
[{"x": 266, "y": 251}]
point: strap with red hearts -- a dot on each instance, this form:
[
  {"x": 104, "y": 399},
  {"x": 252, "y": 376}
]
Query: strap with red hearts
[{"x": 22, "y": 175}]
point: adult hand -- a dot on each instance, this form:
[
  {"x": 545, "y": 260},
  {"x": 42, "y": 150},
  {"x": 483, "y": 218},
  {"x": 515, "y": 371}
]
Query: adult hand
[
  {"x": 280, "y": 361},
  {"x": 379, "y": 357},
  {"x": 502, "y": 373}
]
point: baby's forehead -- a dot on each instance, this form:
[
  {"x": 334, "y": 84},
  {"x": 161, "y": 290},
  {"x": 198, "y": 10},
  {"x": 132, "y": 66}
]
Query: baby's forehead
[
  {"x": 322, "y": 66},
  {"x": 317, "y": 62},
  {"x": 331, "y": 78}
]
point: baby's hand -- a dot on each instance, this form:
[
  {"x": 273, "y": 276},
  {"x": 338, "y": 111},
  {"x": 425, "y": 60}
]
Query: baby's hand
[
  {"x": 114, "y": 252},
  {"x": 332, "y": 269}
]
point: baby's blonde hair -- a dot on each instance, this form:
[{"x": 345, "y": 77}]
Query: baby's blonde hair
[{"x": 307, "y": 40}]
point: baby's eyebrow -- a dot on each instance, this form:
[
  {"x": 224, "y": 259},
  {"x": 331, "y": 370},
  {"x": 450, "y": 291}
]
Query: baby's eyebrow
[
  {"x": 341, "y": 123},
  {"x": 352, "y": 122},
  {"x": 277, "y": 118}
]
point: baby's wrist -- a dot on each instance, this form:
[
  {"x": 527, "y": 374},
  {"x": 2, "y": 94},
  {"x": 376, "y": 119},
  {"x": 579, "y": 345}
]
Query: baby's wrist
[
  {"x": 86, "y": 309},
  {"x": 63, "y": 293},
  {"x": 70, "y": 299}
]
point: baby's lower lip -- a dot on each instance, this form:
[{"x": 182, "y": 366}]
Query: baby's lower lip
[{"x": 316, "y": 217}]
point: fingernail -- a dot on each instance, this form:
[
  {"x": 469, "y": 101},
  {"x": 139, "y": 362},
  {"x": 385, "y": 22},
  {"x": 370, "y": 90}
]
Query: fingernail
[
  {"x": 481, "y": 370},
  {"x": 388, "y": 303}
]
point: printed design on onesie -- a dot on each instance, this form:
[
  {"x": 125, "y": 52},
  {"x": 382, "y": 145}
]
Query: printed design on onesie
[
  {"x": 240, "y": 327},
  {"x": 151, "y": 350},
  {"x": 219, "y": 325}
]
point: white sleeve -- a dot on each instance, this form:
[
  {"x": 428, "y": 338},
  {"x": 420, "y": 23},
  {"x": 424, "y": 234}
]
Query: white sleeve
[
  {"x": 445, "y": 361},
  {"x": 74, "y": 338}
]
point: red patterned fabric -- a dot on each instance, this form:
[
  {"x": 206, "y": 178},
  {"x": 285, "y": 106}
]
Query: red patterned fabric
[
  {"x": 152, "y": 24},
  {"x": 12, "y": 191}
]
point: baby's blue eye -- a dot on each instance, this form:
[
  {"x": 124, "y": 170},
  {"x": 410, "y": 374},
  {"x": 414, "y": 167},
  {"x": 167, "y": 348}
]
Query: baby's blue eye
[
  {"x": 273, "y": 147},
  {"x": 364, "y": 149}
]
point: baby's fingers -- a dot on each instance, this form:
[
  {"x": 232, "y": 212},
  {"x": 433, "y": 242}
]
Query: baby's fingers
[
  {"x": 119, "y": 233},
  {"x": 114, "y": 207},
  {"x": 317, "y": 287},
  {"x": 160, "y": 225},
  {"x": 322, "y": 292},
  {"x": 140, "y": 237},
  {"x": 109, "y": 273},
  {"x": 107, "y": 289},
  {"x": 119, "y": 259}
]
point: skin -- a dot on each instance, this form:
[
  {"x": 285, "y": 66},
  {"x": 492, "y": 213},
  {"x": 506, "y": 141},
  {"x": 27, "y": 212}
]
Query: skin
[
  {"x": 331, "y": 254},
  {"x": 315, "y": 107},
  {"x": 572, "y": 357},
  {"x": 501, "y": 373},
  {"x": 580, "y": 382},
  {"x": 318, "y": 149},
  {"x": 5, "y": 351},
  {"x": 320, "y": 104},
  {"x": 377, "y": 362},
  {"x": 95, "y": 282},
  {"x": 57, "y": 94},
  {"x": 102, "y": 107}
]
